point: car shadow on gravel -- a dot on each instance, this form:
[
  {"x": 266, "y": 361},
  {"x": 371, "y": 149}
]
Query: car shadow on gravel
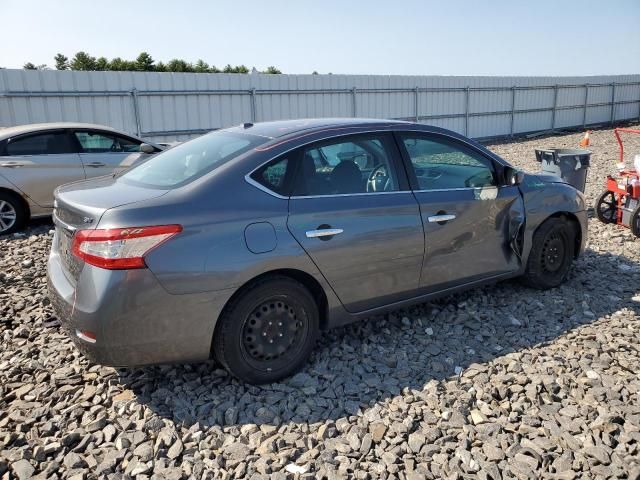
[{"x": 373, "y": 361}]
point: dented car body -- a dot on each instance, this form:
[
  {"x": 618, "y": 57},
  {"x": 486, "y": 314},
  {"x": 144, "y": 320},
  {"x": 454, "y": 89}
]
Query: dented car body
[{"x": 365, "y": 215}]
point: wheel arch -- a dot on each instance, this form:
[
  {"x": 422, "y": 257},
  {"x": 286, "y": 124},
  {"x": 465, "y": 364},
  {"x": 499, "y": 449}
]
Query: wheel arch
[
  {"x": 23, "y": 201},
  {"x": 573, "y": 220},
  {"x": 304, "y": 278}
]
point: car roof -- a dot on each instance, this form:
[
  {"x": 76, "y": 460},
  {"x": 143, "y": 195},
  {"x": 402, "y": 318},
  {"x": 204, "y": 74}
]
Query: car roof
[
  {"x": 281, "y": 128},
  {"x": 38, "y": 127}
]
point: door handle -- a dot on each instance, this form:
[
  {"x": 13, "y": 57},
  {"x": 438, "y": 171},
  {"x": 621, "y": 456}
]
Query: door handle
[
  {"x": 11, "y": 164},
  {"x": 441, "y": 218},
  {"x": 94, "y": 164},
  {"x": 323, "y": 232}
]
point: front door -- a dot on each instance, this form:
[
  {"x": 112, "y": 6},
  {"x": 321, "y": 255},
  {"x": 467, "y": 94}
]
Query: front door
[
  {"x": 106, "y": 153},
  {"x": 469, "y": 218},
  {"x": 38, "y": 163},
  {"x": 352, "y": 213}
]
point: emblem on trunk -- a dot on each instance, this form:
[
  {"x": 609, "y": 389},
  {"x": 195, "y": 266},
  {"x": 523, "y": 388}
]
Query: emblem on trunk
[{"x": 87, "y": 220}]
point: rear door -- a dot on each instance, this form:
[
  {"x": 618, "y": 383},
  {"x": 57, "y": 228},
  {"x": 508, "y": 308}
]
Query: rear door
[
  {"x": 37, "y": 163},
  {"x": 470, "y": 219},
  {"x": 105, "y": 153},
  {"x": 352, "y": 212}
]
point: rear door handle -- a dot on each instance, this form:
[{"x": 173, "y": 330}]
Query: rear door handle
[
  {"x": 11, "y": 164},
  {"x": 323, "y": 232},
  {"x": 94, "y": 164},
  {"x": 441, "y": 218}
]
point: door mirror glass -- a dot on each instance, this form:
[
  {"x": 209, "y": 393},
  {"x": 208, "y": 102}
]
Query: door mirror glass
[
  {"x": 513, "y": 176},
  {"x": 146, "y": 148}
]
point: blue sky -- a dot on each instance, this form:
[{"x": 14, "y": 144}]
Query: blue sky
[{"x": 403, "y": 37}]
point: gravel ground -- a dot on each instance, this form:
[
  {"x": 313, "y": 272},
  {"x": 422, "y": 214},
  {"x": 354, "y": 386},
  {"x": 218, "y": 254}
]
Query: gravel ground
[{"x": 498, "y": 382}]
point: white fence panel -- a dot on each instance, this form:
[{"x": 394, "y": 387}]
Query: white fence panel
[{"x": 167, "y": 106}]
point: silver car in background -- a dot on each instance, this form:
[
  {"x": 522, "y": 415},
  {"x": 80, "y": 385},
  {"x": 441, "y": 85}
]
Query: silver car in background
[{"x": 35, "y": 159}]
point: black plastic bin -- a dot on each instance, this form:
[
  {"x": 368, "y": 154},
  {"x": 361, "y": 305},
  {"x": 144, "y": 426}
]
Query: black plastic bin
[{"x": 567, "y": 163}]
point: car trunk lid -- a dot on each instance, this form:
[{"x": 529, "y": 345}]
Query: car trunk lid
[{"x": 81, "y": 205}]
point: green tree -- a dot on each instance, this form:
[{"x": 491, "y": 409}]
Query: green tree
[
  {"x": 29, "y": 66},
  {"x": 102, "y": 63},
  {"x": 144, "y": 62},
  {"x": 201, "y": 67},
  {"x": 177, "y": 65},
  {"x": 62, "y": 62},
  {"x": 272, "y": 70},
  {"x": 161, "y": 67},
  {"x": 83, "y": 61},
  {"x": 119, "y": 65},
  {"x": 242, "y": 69}
]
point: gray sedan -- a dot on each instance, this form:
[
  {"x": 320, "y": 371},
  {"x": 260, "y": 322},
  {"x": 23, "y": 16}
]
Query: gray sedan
[
  {"x": 35, "y": 159},
  {"x": 244, "y": 244}
]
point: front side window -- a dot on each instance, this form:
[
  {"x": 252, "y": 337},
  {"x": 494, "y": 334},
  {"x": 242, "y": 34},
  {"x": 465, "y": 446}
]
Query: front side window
[
  {"x": 444, "y": 165},
  {"x": 40, "y": 144},
  {"x": 346, "y": 166},
  {"x": 95, "y": 142},
  {"x": 191, "y": 160}
]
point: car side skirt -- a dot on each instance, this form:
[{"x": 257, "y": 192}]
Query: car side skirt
[{"x": 339, "y": 316}]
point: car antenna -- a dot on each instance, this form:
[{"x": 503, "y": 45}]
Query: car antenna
[{"x": 247, "y": 125}]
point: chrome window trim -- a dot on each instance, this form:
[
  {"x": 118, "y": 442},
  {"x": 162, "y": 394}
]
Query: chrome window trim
[
  {"x": 388, "y": 128},
  {"x": 360, "y": 194},
  {"x": 460, "y": 188},
  {"x": 259, "y": 186}
]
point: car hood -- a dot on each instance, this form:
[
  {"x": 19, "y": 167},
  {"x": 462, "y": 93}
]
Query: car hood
[
  {"x": 544, "y": 178},
  {"x": 83, "y": 203}
]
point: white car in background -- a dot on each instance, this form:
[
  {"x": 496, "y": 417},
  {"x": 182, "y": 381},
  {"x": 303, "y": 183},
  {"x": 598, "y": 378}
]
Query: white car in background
[{"x": 35, "y": 159}]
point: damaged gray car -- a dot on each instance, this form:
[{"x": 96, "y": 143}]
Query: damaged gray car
[{"x": 245, "y": 243}]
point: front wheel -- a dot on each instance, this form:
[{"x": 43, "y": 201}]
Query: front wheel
[
  {"x": 268, "y": 332},
  {"x": 551, "y": 254}
]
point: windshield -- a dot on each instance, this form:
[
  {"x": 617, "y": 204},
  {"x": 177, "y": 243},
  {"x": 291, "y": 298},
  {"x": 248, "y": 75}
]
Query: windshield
[{"x": 184, "y": 163}]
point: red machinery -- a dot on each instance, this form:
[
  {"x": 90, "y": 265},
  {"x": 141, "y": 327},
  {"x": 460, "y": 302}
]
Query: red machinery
[{"x": 620, "y": 202}]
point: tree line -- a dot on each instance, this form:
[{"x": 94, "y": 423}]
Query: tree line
[{"x": 143, "y": 63}]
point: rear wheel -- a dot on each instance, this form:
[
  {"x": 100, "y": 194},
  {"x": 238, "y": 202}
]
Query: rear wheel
[
  {"x": 607, "y": 207},
  {"x": 13, "y": 215},
  {"x": 551, "y": 254},
  {"x": 268, "y": 332}
]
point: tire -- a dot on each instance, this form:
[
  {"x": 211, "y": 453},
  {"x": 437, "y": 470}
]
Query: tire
[
  {"x": 635, "y": 222},
  {"x": 13, "y": 214},
  {"x": 606, "y": 207},
  {"x": 551, "y": 254},
  {"x": 268, "y": 332}
]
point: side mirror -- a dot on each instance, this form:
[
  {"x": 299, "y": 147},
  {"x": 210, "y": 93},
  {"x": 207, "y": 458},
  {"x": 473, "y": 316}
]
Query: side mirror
[
  {"x": 513, "y": 176},
  {"x": 146, "y": 148}
]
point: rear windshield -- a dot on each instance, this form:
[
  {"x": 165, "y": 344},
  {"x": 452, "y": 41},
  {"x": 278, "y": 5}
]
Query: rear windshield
[{"x": 188, "y": 161}]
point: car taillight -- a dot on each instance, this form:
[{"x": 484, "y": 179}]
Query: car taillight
[{"x": 120, "y": 248}]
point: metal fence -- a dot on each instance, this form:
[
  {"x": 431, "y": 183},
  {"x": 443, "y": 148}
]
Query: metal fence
[{"x": 166, "y": 106}]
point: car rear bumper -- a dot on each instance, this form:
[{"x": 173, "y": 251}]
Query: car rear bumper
[{"x": 134, "y": 320}]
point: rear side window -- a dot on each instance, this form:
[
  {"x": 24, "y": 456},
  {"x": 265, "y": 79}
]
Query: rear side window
[
  {"x": 353, "y": 165},
  {"x": 191, "y": 160},
  {"x": 40, "y": 144},
  {"x": 274, "y": 176},
  {"x": 99, "y": 142}
]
